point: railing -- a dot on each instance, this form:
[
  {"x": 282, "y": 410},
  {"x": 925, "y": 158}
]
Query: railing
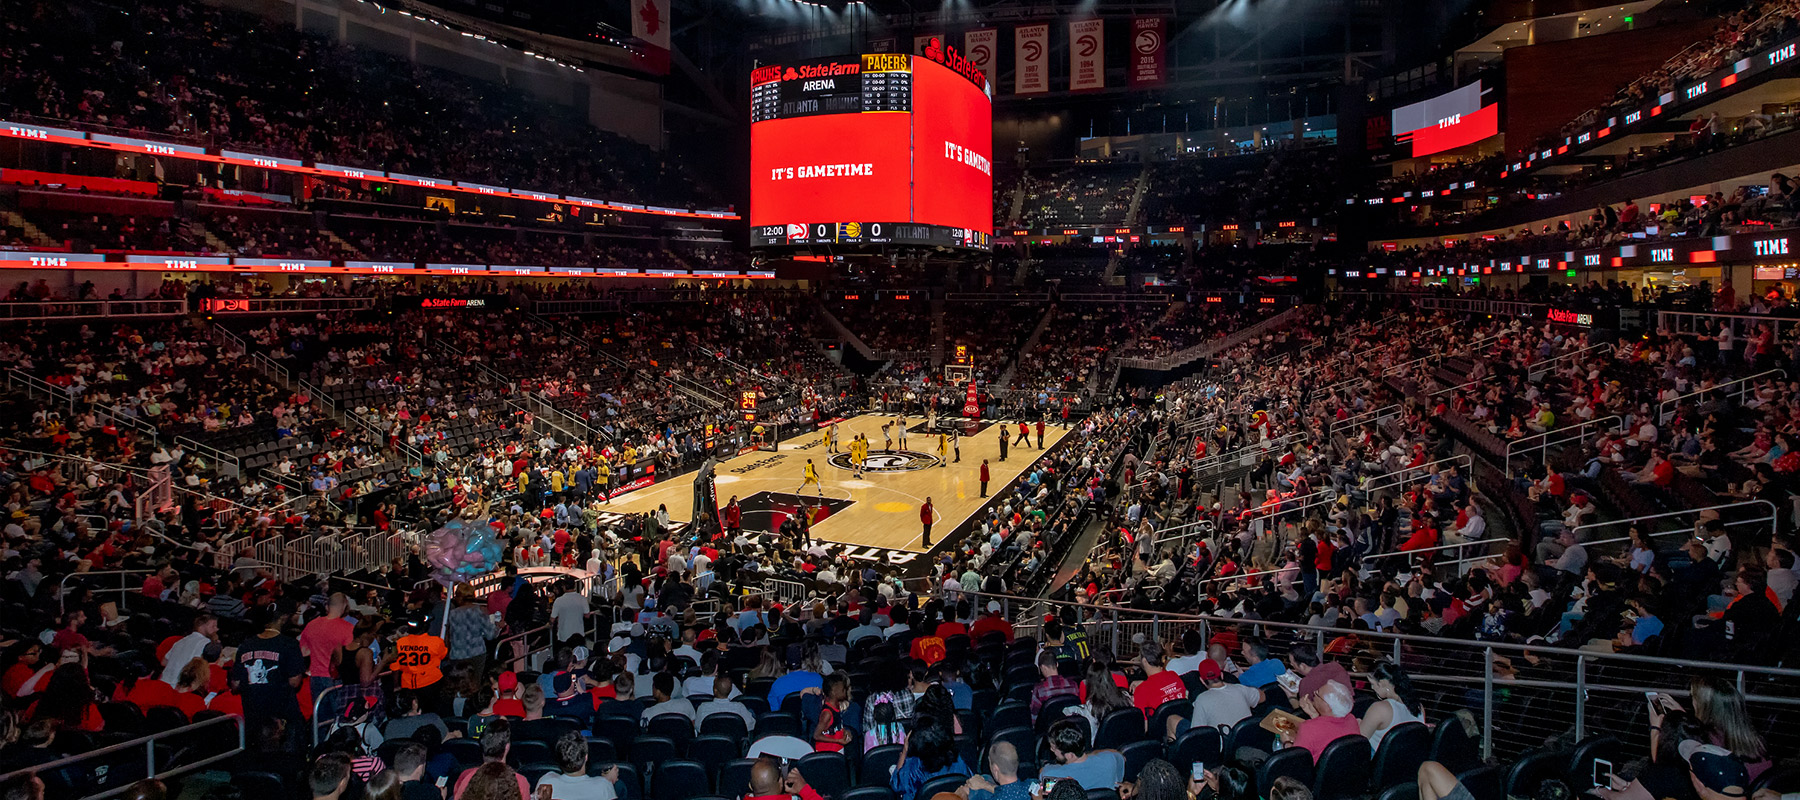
[
  {"x": 286, "y": 305},
  {"x": 1736, "y": 390},
  {"x": 97, "y": 778},
  {"x": 32, "y": 385},
  {"x": 785, "y": 592},
  {"x": 1688, "y": 322},
  {"x": 1521, "y": 447},
  {"x": 599, "y": 306},
  {"x": 124, "y": 590},
  {"x": 1538, "y": 369},
  {"x": 1509, "y": 308},
  {"x": 319, "y": 719},
  {"x": 221, "y": 459},
  {"x": 1353, "y": 422},
  {"x": 91, "y": 309},
  {"x": 522, "y": 639},
  {"x": 1204, "y": 349},
  {"x": 1513, "y": 714},
  {"x": 1769, "y": 519}
]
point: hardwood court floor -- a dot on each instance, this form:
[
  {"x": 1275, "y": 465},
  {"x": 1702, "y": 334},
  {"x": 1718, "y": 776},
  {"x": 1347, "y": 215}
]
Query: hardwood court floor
[{"x": 884, "y": 505}]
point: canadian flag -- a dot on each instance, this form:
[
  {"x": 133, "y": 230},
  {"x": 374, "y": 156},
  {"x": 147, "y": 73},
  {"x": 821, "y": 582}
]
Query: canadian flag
[{"x": 650, "y": 24}]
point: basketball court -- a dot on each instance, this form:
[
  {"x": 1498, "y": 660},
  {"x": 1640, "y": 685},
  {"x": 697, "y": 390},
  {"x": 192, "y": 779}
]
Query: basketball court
[{"x": 877, "y": 514}]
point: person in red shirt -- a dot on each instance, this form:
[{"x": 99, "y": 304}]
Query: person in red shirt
[
  {"x": 926, "y": 514},
  {"x": 190, "y": 695},
  {"x": 984, "y": 477},
  {"x": 992, "y": 622},
  {"x": 950, "y": 627},
  {"x": 148, "y": 692},
  {"x": 1160, "y": 685}
]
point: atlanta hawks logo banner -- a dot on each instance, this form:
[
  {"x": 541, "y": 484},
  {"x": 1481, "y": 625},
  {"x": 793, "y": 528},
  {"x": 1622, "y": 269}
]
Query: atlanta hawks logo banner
[
  {"x": 1031, "y": 72},
  {"x": 980, "y": 47},
  {"x": 1087, "y": 54},
  {"x": 1147, "y": 37}
]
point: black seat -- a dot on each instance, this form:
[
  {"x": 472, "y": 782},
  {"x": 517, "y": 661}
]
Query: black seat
[
  {"x": 1159, "y": 721},
  {"x": 1580, "y": 769},
  {"x": 1452, "y": 746},
  {"x": 941, "y": 783},
  {"x": 829, "y": 773},
  {"x": 734, "y": 779},
  {"x": 1197, "y": 745},
  {"x": 727, "y": 725},
  {"x": 1400, "y": 791},
  {"x": 1102, "y": 793},
  {"x": 648, "y": 751},
  {"x": 674, "y": 727},
  {"x": 530, "y": 752},
  {"x": 467, "y": 752},
  {"x": 869, "y": 793},
  {"x": 267, "y": 785},
  {"x": 1054, "y": 709},
  {"x": 778, "y": 724},
  {"x": 679, "y": 780},
  {"x": 1022, "y": 740},
  {"x": 1403, "y": 749},
  {"x": 1529, "y": 772},
  {"x": 715, "y": 751},
  {"x": 1343, "y": 769},
  {"x": 1248, "y": 732},
  {"x": 1137, "y": 754},
  {"x": 631, "y": 783},
  {"x": 1120, "y": 728},
  {"x": 1010, "y": 715},
  {"x": 1292, "y": 762},
  {"x": 618, "y": 730},
  {"x": 875, "y": 764},
  {"x": 600, "y": 751},
  {"x": 1484, "y": 783}
]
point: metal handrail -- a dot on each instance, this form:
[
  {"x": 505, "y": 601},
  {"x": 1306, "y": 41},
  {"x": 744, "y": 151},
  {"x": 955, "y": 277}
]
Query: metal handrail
[
  {"x": 1381, "y": 482},
  {"x": 1666, "y": 408},
  {"x": 1366, "y": 417},
  {"x": 62, "y": 586},
  {"x": 149, "y": 745},
  {"x": 1581, "y": 432},
  {"x": 520, "y": 636},
  {"x": 1534, "y": 370},
  {"x": 318, "y": 701},
  {"x": 1772, "y": 516}
]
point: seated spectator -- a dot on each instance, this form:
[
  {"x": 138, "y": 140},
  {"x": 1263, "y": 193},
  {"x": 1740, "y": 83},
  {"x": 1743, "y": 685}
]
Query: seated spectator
[{"x": 1092, "y": 769}]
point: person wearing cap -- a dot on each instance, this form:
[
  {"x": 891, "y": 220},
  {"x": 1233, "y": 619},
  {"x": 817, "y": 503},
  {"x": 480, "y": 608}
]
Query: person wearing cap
[
  {"x": 1221, "y": 705},
  {"x": 1714, "y": 771},
  {"x": 419, "y": 656},
  {"x": 992, "y": 621},
  {"x": 570, "y": 698}
]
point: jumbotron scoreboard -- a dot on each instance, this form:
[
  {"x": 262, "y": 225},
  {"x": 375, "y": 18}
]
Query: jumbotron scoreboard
[{"x": 871, "y": 149}]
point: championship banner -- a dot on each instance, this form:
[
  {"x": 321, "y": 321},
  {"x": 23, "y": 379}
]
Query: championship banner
[
  {"x": 922, "y": 42},
  {"x": 981, "y": 48},
  {"x": 650, "y": 24},
  {"x": 1148, "y": 35},
  {"x": 882, "y": 45},
  {"x": 1087, "y": 55},
  {"x": 1031, "y": 51}
]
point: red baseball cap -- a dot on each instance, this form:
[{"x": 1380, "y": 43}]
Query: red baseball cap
[{"x": 508, "y": 681}]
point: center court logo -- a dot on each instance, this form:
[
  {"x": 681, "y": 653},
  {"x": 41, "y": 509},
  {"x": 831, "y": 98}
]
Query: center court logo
[{"x": 895, "y": 461}]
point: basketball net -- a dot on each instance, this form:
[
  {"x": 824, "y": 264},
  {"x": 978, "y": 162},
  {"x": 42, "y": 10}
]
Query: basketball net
[{"x": 971, "y": 409}]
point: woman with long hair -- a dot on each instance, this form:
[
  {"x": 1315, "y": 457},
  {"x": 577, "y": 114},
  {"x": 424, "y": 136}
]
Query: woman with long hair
[
  {"x": 68, "y": 698},
  {"x": 1398, "y": 703},
  {"x": 1103, "y": 697},
  {"x": 930, "y": 752},
  {"x": 937, "y": 705},
  {"x": 1720, "y": 707}
]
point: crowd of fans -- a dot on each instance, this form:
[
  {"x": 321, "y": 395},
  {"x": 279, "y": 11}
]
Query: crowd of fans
[{"x": 228, "y": 78}]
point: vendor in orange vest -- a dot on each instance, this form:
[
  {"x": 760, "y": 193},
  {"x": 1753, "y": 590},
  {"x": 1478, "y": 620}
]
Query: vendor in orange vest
[{"x": 419, "y": 656}]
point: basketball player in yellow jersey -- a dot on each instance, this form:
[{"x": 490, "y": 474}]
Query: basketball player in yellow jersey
[
  {"x": 827, "y": 439},
  {"x": 812, "y": 477},
  {"x": 859, "y": 451},
  {"x": 943, "y": 449}
]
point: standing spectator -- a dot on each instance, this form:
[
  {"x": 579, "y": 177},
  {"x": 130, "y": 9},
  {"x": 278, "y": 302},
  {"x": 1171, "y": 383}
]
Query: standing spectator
[{"x": 322, "y": 638}]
